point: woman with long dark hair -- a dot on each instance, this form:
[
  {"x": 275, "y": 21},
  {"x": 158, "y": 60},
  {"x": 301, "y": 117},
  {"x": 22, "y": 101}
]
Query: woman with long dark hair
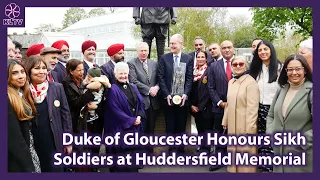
[
  {"x": 22, "y": 156},
  {"x": 265, "y": 69}
]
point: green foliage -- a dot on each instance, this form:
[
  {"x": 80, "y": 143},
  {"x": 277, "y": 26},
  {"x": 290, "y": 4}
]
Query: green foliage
[
  {"x": 287, "y": 46},
  {"x": 274, "y": 22},
  {"x": 242, "y": 32},
  {"x": 97, "y": 12},
  {"x": 212, "y": 25},
  {"x": 72, "y": 16},
  {"x": 47, "y": 28},
  {"x": 194, "y": 22}
]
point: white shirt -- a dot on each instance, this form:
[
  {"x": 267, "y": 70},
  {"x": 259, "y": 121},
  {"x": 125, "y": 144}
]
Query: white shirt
[
  {"x": 114, "y": 63},
  {"x": 90, "y": 64},
  {"x": 179, "y": 57},
  {"x": 267, "y": 90}
]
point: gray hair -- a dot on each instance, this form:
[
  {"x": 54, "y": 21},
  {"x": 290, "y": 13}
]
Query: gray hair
[
  {"x": 307, "y": 44},
  {"x": 241, "y": 58},
  {"x": 121, "y": 65},
  {"x": 142, "y": 44}
]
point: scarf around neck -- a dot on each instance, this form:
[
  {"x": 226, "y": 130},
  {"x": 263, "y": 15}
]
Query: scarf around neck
[
  {"x": 198, "y": 72},
  {"x": 39, "y": 91}
]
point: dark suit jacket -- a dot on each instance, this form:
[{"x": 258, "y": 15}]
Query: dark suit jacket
[
  {"x": 217, "y": 84},
  {"x": 61, "y": 72},
  {"x": 156, "y": 15},
  {"x": 76, "y": 100},
  {"x": 209, "y": 59},
  {"x": 138, "y": 76},
  {"x": 59, "y": 113},
  {"x": 55, "y": 76},
  {"x": 19, "y": 156},
  {"x": 202, "y": 93},
  {"x": 107, "y": 69},
  {"x": 85, "y": 67},
  {"x": 165, "y": 73}
]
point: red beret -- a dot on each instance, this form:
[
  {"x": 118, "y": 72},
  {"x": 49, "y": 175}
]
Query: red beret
[
  {"x": 115, "y": 48},
  {"x": 34, "y": 49},
  {"x": 59, "y": 44},
  {"x": 87, "y": 44}
]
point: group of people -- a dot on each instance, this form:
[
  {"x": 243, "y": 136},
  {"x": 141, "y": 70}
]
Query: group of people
[{"x": 49, "y": 94}]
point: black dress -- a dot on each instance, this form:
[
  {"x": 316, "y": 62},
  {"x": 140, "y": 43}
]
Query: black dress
[{"x": 43, "y": 139}]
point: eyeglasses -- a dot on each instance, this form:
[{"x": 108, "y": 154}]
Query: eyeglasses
[
  {"x": 241, "y": 64},
  {"x": 297, "y": 69}
]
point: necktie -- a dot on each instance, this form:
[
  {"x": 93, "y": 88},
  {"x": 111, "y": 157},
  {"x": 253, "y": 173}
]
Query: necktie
[
  {"x": 50, "y": 78},
  {"x": 145, "y": 67},
  {"x": 95, "y": 65},
  {"x": 228, "y": 70},
  {"x": 176, "y": 59}
]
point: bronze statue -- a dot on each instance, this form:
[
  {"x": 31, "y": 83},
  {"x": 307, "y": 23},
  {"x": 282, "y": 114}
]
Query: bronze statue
[{"x": 154, "y": 23}]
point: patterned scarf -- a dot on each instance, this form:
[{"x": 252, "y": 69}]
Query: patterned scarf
[
  {"x": 39, "y": 92},
  {"x": 198, "y": 72}
]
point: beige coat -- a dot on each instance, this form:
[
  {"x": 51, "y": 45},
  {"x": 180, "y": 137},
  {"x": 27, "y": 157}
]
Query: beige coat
[{"x": 241, "y": 114}]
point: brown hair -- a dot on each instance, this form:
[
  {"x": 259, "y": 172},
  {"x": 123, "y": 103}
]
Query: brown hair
[
  {"x": 20, "y": 105},
  {"x": 33, "y": 61},
  {"x": 71, "y": 65}
]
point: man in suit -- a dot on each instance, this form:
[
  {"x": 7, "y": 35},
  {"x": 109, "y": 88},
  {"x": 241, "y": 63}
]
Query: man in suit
[
  {"x": 11, "y": 49},
  {"x": 175, "y": 115},
  {"x": 116, "y": 53},
  {"x": 215, "y": 53},
  {"x": 143, "y": 73},
  {"x": 62, "y": 59},
  {"x": 89, "y": 52},
  {"x": 219, "y": 75},
  {"x": 254, "y": 45},
  {"x": 50, "y": 56},
  {"x": 154, "y": 23},
  {"x": 199, "y": 44}
]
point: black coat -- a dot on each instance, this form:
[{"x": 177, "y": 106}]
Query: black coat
[
  {"x": 76, "y": 100},
  {"x": 19, "y": 156}
]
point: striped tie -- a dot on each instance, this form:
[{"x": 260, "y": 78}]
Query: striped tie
[{"x": 145, "y": 67}]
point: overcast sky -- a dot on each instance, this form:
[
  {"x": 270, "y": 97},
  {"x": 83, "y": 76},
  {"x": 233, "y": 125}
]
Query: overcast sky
[{"x": 41, "y": 15}]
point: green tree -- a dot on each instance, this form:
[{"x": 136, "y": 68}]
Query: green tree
[
  {"x": 47, "y": 28},
  {"x": 271, "y": 23},
  {"x": 286, "y": 46},
  {"x": 72, "y": 16},
  {"x": 242, "y": 31},
  {"x": 202, "y": 22},
  {"x": 97, "y": 12}
]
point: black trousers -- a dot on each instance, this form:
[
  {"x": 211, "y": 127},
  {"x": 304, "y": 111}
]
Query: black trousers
[
  {"x": 218, "y": 128},
  {"x": 150, "y": 121},
  {"x": 158, "y": 31},
  {"x": 204, "y": 122},
  {"x": 176, "y": 120}
]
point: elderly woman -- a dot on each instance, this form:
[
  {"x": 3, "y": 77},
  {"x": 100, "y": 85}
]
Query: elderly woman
[
  {"x": 306, "y": 50},
  {"x": 289, "y": 110},
  {"x": 241, "y": 113},
  {"x": 53, "y": 117},
  {"x": 124, "y": 112},
  {"x": 79, "y": 103},
  {"x": 22, "y": 156},
  {"x": 265, "y": 68},
  {"x": 201, "y": 105}
]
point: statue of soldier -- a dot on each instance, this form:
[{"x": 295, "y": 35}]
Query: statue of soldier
[{"x": 154, "y": 23}]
